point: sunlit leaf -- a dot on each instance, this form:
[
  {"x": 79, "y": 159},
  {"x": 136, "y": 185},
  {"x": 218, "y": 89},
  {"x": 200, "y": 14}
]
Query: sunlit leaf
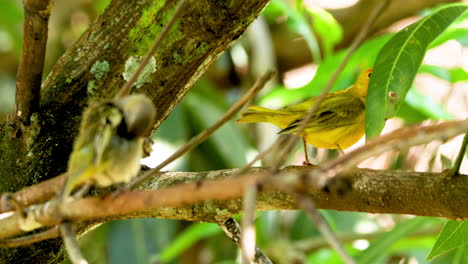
[
  {"x": 458, "y": 74},
  {"x": 397, "y": 64},
  {"x": 427, "y": 106},
  {"x": 453, "y": 235},
  {"x": 456, "y": 256},
  {"x": 458, "y": 34},
  {"x": 298, "y": 24},
  {"x": 190, "y": 236},
  {"x": 327, "y": 28},
  {"x": 453, "y": 75},
  {"x": 374, "y": 252}
]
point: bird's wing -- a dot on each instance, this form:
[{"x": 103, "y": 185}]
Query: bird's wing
[{"x": 334, "y": 112}]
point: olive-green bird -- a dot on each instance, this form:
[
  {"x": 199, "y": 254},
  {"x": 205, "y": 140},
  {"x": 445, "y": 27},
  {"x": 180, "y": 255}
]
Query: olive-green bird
[{"x": 109, "y": 145}]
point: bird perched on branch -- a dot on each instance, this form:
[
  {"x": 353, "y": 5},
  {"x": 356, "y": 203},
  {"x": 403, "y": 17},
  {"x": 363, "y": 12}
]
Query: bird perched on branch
[
  {"x": 109, "y": 146},
  {"x": 337, "y": 123}
]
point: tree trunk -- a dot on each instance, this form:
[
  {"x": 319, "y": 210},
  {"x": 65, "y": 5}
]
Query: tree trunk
[{"x": 93, "y": 69}]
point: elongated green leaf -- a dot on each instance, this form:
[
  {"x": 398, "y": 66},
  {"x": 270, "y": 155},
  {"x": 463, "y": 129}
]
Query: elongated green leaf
[
  {"x": 381, "y": 244},
  {"x": 452, "y": 75},
  {"x": 453, "y": 235},
  {"x": 439, "y": 72},
  {"x": 427, "y": 106},
  {"x": 452, "y": 33},
  {"x": 191, "y": 235},
  {"x": 297, "y": 23},
  {"x": 458, "y": 74},
  {"x": 327, "y": 28},
  {"x": 397, "y": 64},
  {"x": 228, "y": 142},
  {"x": 456, "y": 256}
]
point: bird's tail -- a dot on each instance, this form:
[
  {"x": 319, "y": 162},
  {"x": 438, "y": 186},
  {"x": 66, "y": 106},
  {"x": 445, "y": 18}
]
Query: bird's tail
[{"x": 257, "y": 114}]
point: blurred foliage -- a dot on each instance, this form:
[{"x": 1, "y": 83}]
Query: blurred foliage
[{"x": 278, "y": 232}]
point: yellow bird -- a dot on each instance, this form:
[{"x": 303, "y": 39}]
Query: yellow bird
[{"x": 338, "y": 122}]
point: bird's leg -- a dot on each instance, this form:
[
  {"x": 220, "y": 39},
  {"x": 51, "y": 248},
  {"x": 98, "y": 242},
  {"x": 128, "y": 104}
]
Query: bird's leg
[
  {"x": 306, "y": 162},
  {"x": 340, "y": 149},
  {"x": 82, "y": 191}
]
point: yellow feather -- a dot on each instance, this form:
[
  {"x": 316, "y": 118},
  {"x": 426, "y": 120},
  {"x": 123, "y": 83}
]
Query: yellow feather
[{"x": 337, "y": 123}]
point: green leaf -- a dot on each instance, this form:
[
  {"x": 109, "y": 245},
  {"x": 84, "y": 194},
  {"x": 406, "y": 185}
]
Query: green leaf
[
  {"x": 11, "y": 25},
  {"x": 453, "y": 235},
  {"x": 453, "y": 75},
  {"x": 452, "y": 33},
  {"x": 327, "y": 28},
  {"x": 437, "y": 71},
  {"x": 229, "y": 142},
  {"x": 397, "y": 64},
  {"x": 409, "y": 114},
  {"x": 458, "y": 74},
  {"x": 374, "y": 252},
  {"x": 456, "y": 256},
  {"x": 189, "y": 237},
  {"x": 427, "y": 106},
  {"x": 298, "y": 24}
]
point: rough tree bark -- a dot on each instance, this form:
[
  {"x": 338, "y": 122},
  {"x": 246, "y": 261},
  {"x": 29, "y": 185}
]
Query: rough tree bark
[{"x": 93, "y": 68}]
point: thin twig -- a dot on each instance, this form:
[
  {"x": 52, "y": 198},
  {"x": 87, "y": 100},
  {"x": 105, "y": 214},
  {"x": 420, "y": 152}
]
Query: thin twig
[
  {"x": 69, "y": 239},
  {"x": 30, "y": 239},
  {"x": 29, "y": 76},
  {"x": 232, "y": 229},
  {"x": 323, "y": 227},
  {"x": 126, "y": 89},
  {"x": 461, "y": 155},
  {"x": 198, "y": 139},
  {"x": 248, "y": 244}
]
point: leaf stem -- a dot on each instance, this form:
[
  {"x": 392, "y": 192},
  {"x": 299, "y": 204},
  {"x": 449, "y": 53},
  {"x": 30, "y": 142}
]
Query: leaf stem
[{"x": 461, "y": 155}]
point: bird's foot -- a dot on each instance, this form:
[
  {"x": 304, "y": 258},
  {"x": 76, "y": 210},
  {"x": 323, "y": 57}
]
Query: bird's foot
[{"x": 307, "y": 163}]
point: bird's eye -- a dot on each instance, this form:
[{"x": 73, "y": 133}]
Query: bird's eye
[{"x": 369, "y": 75}]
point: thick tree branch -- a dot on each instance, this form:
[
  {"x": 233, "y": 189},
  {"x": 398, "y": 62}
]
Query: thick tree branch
[{"x": 181, "y": 195}]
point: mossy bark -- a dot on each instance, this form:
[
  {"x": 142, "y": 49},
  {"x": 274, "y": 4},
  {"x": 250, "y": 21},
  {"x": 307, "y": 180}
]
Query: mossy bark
[{"x": 126, "y": 29}]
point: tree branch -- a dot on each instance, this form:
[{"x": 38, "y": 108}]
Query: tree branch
[
  {"x": 29, "y": 76},
  {"x": 373, "y": 191}
]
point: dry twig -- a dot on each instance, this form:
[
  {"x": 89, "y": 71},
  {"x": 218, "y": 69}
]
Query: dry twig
[{"x": 29, "y": 76}]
